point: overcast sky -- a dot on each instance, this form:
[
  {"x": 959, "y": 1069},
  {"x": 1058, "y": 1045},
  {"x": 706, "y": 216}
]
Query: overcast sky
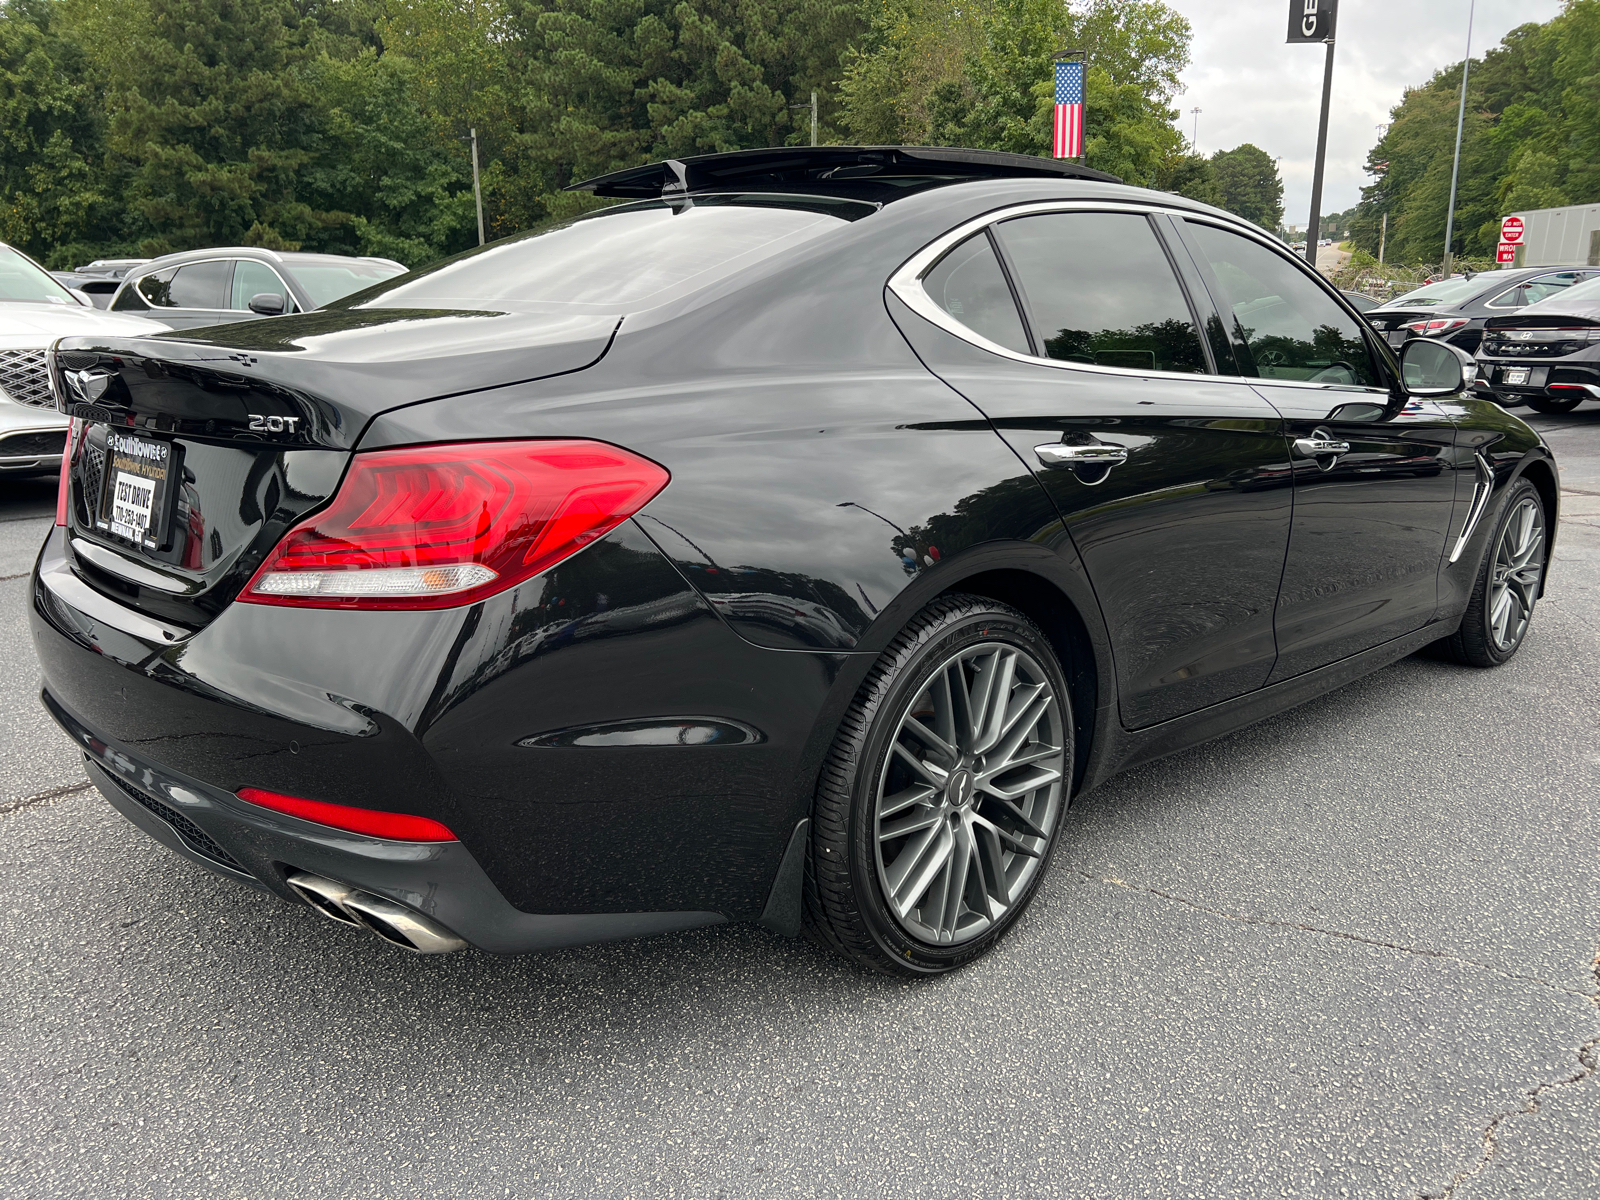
[{"x": 1252, "y": 87}]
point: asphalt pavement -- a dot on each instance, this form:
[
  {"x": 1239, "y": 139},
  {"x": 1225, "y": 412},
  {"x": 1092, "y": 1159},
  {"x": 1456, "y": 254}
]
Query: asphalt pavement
[{"x": 1350, "y": 951}]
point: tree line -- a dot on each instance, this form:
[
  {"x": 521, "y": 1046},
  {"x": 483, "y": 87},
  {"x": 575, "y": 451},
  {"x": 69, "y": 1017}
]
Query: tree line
[
  {"x": 147, "y": 126},
  {"x": 1531, "y": 139}
]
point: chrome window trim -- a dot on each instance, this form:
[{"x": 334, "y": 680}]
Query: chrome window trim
[
  {"x": 906, "y": 285},
  {"x": 175, "y": 268}
]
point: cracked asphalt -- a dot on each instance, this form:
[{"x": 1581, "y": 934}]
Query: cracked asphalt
[{"x": 1350, "y": 951}]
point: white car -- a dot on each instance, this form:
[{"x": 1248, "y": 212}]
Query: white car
[{"x": 35, "y": 310}]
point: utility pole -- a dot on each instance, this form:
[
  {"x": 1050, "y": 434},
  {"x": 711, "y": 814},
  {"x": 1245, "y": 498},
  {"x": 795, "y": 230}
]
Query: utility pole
[
  {"x": 1194, "y": 140},
  {"x": 1383, "y": 236},
  {"x": 477, "y": 192},
  {"x": 1455, "y": 169},
  {"x": 813, "y": 107}
]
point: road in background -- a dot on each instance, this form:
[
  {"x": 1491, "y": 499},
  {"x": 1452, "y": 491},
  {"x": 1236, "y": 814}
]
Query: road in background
[{"x": 1351, "y": 950}]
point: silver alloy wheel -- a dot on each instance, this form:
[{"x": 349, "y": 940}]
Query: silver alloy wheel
[
  {"x": 1518, "y": 566},
  {"x": 969, "y": 794}
]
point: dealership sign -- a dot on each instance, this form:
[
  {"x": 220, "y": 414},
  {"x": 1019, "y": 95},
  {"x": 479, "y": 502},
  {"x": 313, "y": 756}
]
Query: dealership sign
[{"x": 1311, "y": 20}]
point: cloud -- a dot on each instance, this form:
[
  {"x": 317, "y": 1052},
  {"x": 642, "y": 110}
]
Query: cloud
[{"x": 1252, "y": 87}]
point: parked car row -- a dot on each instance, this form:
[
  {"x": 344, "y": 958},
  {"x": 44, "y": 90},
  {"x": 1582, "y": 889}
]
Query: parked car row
[
  {"x": 1535, "y": 331},
  {"x": 142, "y": 296}
]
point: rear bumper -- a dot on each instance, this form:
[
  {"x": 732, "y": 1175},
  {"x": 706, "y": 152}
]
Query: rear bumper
[
  {"x": 172, "y": 722},
  {"x": 261, "y": 848},
  {"x": 1542, "y": 378}
]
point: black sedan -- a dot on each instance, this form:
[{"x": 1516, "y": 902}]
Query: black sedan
[
  {"x": 788, "y": 542},
  {"x": 1547, "y": 356},
  {"x": 1455, "y": 310}
]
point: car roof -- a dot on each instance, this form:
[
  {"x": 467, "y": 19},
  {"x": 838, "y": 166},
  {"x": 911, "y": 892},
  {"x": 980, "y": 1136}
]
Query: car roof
[
  {"x": 260, "y": 254},
  {"x": 879, "y": 173}
]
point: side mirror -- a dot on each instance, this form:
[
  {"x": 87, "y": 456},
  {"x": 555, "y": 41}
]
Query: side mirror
[
  {"x": 268, "y": 304},
  {"x": 82, "y": 297},
  {"x": 1434, "y": 368}
]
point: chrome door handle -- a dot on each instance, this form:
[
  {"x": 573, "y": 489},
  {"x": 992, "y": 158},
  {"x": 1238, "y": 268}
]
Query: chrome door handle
[
  {"x": 1096, "y": 454},
  {"x": 1311, "y": 447}
]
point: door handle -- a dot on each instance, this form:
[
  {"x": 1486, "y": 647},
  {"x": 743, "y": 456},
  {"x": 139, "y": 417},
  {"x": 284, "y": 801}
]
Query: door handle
[
  {"x": 1096, "y": 454},
  {"x": 1311, "y": 447}
]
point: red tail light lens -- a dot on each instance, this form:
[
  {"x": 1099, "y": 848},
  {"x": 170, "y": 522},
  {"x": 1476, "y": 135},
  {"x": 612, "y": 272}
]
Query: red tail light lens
[
  {"x": 68, "y": 452},
  {"x": 401, "y": 827},
  {"x": 1436, "y": 327},
  {"x": 441, "y": 526}
]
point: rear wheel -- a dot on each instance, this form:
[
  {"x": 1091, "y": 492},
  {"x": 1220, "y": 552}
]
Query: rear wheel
[
  {"x": 1507, "y": 587},
  {"x": 943, "y": 792},
  {"x": 1549, "y": 404}
]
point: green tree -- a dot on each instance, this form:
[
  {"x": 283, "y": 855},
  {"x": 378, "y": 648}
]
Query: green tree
[
  {"x": 1250, "y": 184},
  {"x": 53, "y": 198},
  {"x": 1531, "y": 140},
  {"x": 980, "y": 75},
  {"x": 609, "y": 83}
]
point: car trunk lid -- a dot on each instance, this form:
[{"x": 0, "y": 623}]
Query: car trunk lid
[{"x": 195, "y": 454}]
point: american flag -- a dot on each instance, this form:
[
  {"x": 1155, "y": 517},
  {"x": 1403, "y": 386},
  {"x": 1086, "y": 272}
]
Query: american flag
[{"x": 1069, "y": 110}]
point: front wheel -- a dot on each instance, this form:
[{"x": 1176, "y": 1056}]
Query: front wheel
[
  {"x": 1549, "y": 404},
  {"x": 942, "y": 795},
  {"x": 1507, "y": 587}
]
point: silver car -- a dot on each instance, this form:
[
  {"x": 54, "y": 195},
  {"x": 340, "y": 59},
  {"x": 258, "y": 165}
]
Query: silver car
[
  {"x": 242, "y": 283},
  {"x": 35, "y": 310}
]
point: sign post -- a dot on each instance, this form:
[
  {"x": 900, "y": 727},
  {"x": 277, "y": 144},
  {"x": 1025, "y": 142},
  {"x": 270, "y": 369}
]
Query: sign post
[
  {"x": 1313, "y": 21},
  {"x": 1511, "y": 232}
]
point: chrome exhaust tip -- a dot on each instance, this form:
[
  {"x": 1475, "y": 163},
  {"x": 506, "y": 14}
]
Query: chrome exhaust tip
[
  {"x": 394, "y": 923},
  {"x": 400, "y": 925},
  {"x": 324, "y": 895}
]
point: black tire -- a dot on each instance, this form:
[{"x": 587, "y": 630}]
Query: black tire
[
  {"x": 1477, "y": 643},
  {"x": 1549, "y": 404},
  {"x": 994, "y": 863}
]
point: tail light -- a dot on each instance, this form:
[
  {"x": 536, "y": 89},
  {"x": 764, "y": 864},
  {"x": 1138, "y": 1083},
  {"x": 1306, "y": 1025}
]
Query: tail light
[
  {"x": 1435, "y": 327},
  {"x": 440, "y": 526},
  {"x": 402, "y": 827},
  {"x": 68, "y": 453}
]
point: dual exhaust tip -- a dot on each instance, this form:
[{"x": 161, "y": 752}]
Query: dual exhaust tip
[{"x": 394, "y": 923}]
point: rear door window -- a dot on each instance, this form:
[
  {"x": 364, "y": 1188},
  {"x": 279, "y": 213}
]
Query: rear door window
[
  {"x": 1100, "y": 291},
  {"x": 201, "y": 285},
  {"x": 969, "y": 285},
  {"x": 1285, "y": 326}
]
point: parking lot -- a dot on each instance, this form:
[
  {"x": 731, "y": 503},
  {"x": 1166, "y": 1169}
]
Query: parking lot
[{"x": 1349, "y": 951}]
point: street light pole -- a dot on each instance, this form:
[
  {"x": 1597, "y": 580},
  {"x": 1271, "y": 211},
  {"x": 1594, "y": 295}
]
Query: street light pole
[{"x": 1455, "y": 169}]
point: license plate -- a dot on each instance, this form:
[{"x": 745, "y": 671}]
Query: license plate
[
  {"x": 1396, "y": 337},
  {"x": 136, "y": 501},
  {"x": 1514, "y": 375}
]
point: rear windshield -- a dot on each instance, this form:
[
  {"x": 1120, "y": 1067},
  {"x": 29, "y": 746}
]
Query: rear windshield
[
  {"x": 22, "y": 281},
  {"x": 1446, "y": 291},
  {"x": 633, "y": 256},
  {"x": 327, "y": 282}
]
